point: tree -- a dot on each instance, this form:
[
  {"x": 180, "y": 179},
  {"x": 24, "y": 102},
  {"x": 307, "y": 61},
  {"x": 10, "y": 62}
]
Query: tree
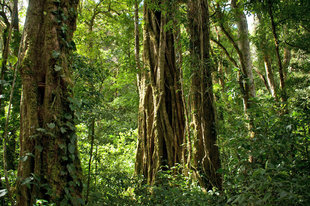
[
  {"x": 242, "y": 47},
  {"x": 49, "y": 166},
  {"x": 205, "y": 153},
  {"x": 161, "y": 112}
]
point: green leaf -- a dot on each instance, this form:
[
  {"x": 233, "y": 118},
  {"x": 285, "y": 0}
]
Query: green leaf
[
  {"x": 72, "y": 45},
  {"x": 51, "y": 125},
  {"x": 41, "y": 130},
  {"x": 62, "y": 146},
  {"x": 70, "y": 125},
  {"x": 57, "y": 68},
  {"x": 27, "y": 181},
  {"x": 71, "y": 168},
  {"x": 62, "y": 130},
  {"x": 39, "y": 147},
  {"x": 71, "y": 148},
  {"x": 68, "y": 116},
  {"x": 55, "y": 54},
  {"x": 24, "y": 158}
]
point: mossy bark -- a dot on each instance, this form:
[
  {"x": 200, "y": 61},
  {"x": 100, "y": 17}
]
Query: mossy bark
[
  {"x": 161, "y": 112},
  {"x": 205, "y": 152},
  {"x": 49, "y": 167}
]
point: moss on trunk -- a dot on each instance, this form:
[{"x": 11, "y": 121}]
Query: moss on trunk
[{"x": 49, "y": 167}]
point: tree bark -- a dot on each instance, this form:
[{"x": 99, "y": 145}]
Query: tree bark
[
  {"x": 49, "y": 167},
  {"x": 205, "y": 153},
  {"x": 277, "y": 48},
  {"x": 161, "y": 112},
  {"x": 244, "y": 44},
  {"x": 92, "y": 138},
  {"x": 243, "y": 50},
  {"x": 270, "y": 76},
  {"x": 286, "y": 61},
  {"x": 267, "y": 61}
]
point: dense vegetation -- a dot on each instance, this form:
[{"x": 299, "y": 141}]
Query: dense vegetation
[{"x": 259, "y": 83}]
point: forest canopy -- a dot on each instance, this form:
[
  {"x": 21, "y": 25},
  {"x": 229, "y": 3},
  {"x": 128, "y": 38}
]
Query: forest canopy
[{"x": 154, "y": 102}]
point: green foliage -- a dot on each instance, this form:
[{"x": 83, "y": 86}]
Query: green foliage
[{"x": 104, "y": 79}]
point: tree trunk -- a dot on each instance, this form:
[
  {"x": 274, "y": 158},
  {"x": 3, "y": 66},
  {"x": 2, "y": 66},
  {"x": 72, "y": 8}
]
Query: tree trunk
[
  {"x": 286, "y": 61},
  {"x": 267, "y": 61},
  {"x": 270, "y": 76},
  {"x": 244, "y": 46},
  {"x": 49, "y": 167},
  {"x": 205, "y": 153},
  {"x": 277, "y": 48},
  {"x": 161, "y": 112},
  {"x": 11, "y": 146},
  {"x": 92, "y": 138}
]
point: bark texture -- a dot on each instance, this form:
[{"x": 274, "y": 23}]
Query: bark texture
[
  {"x": 161, "y": 112},
  {"x": 49, "y": 167},
  {"x": 205, "y": 152}
]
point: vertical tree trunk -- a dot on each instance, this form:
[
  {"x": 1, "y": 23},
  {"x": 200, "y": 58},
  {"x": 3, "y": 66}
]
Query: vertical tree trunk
[
  {"x": 244, "y": 46},
  {"x": 6, "y": 38},
  {"x": 11, "y": 141},
  {"x": 49, "y": 167},
  {"x": 270, "y": 76},
  {"x": 8, "y": 143},
  {"x": 267, "y": 62},
  {"x": 206, "y": 153},
  {"x": 286, "y": 61},
  {"x": 92, "y": 138},
  {"x": 161, "y": 112},
  {"x": 277, "y": 48}
]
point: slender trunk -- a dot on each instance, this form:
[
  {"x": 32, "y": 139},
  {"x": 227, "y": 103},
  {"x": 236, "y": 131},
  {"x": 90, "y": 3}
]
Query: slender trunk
[
  {"x": 244, "y": 46},
  {"x": 206, "y": 153},
  {"x": 92, "y": 137},
  {"x": 11, "y": 141},
  {"x": 267, "y": 62},
  {"x": 137, "y": 36},
  {"x": 242, "y": 80},
  {"x": 245, "y": 79},
  {"x": 96, "y": 166},
  {"x": 5, "y": 137},
  {"x": 49, "y": 166},
  {"x": 161, "y": 112},
  {"x": 286, "y": 61},
  {"x": 270, "y": 76},
  {"x": 7, "y": 144},
  {"x": 5, "y": 54},
  {"x": 263, "y": 78},
  {"x": 277, "y": 48}
]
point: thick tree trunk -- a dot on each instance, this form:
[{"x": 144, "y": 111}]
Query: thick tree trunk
[
  {"x": 49, "y": 167},
  {"x": 205, "y": 153},
  {"x": 161, "y": 112}
]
